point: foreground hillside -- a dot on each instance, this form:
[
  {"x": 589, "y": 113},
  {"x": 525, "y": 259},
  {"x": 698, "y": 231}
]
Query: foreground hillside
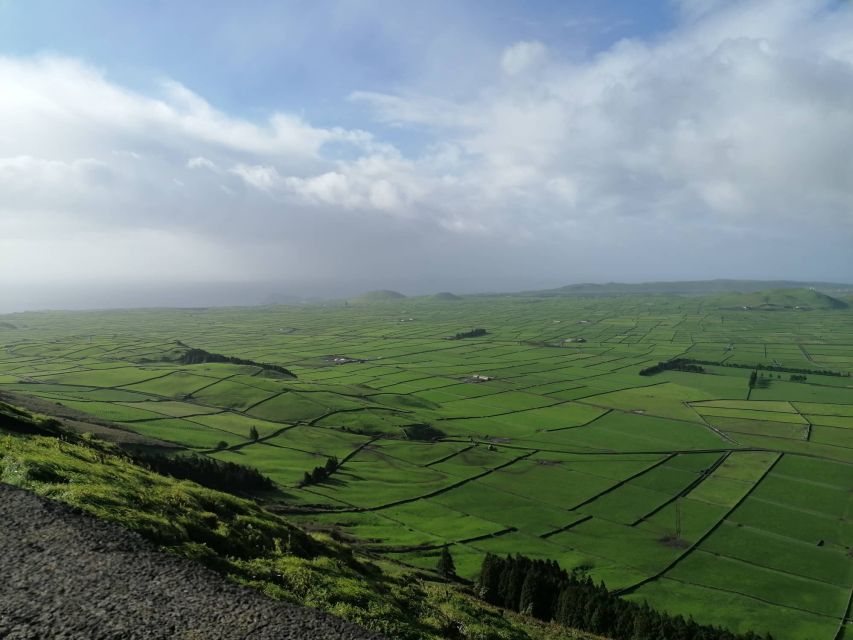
[
  {"x": 114, "y": 585},
  {"x": 230, "y": 534}
]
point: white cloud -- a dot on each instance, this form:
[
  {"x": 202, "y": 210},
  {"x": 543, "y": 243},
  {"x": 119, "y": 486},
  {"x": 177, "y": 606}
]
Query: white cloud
[
  {"x": 200, "y": 162},
  {"x": 744, "y": 111},
  {"x": 259, "y": 176},
  {"x": 722, "y": 145},
  {"x": 59, "y": 105},
  {"x": 523, "y": 56}
]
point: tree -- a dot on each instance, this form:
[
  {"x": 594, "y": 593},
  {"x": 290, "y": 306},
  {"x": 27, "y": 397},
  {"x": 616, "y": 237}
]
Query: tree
[
  {"x": 490, "y": 577},
  {"x": 527, "y": 602},
  {"x": 541, "y": 589},
  {"x": 511, "y": 588},
  {"x": 253, "y": 433},
  {"x": 753, "y": 378},
  {"x": 446, "y": 567},
  {"x": 331, "y": 464}
]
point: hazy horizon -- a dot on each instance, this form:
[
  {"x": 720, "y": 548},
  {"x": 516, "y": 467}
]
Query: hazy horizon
[
  {"x": 251, "y": 294},
  {"x": 207, "y": 154}
]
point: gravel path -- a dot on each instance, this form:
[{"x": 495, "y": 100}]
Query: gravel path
[{"x": 65, "y": 574}]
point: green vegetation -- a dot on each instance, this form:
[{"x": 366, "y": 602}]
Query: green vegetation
[
  {"x": 253, "y": 546},
  {"x": 780, "y": 299},
  {"x": 446, "y": 567},
  {"x": 200, "y": 356},
  {"x": 545, "y": 591},
  {"x": 318, "y": 474},
  {"x": 206, "y": 471},
  {"x": 678, "y": 364},
  {"x": 695, "y": 287},
  {"x": 700, "y": 494},
  {"x": 473, "y": 333}
]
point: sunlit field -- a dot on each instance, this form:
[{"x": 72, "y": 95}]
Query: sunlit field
[{"x": 700, "y": 492}]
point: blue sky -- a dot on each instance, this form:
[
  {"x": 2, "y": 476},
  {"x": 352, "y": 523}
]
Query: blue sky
[
  {"x": 329, "y": 146},
  {"x": 253, "y": 57}
]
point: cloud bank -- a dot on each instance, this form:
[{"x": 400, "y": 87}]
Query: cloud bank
[{"x": 721, "y": 148}]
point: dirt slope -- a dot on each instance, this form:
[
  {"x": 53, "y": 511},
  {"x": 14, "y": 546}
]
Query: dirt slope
[{"x": 65, "y": 574}]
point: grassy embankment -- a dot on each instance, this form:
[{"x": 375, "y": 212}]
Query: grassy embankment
[{"x": 243, "y": 541}]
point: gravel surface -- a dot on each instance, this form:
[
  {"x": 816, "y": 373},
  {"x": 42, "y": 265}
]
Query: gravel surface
[{"x": 65, "y": 574}]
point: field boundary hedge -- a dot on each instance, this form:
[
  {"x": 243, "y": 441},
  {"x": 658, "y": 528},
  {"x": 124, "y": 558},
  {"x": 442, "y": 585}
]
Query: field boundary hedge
[
  {"x": 424, "y": 496},
  {"x": 686, "y": 490},
  {"x": 613, "y": 487},
  {"x": 845, "y": 618},
  {"x": 703, "y": 537},
  {"x": 441, "y": 545}
]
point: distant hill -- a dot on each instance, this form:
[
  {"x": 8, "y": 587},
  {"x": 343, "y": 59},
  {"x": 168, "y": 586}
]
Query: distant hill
[
  {"x": 287, "y": 299},
  {"x": 689, "y": 287},
  {"x": 779, "y": 299},
  {"x": 446, "y": 295},
  {"x": 378, "y": 296}
]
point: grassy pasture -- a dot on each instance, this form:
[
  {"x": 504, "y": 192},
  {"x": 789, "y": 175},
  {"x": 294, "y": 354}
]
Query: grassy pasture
[
  {"x": 735, "y": 610},
  {"x": 567, "y": 453}
]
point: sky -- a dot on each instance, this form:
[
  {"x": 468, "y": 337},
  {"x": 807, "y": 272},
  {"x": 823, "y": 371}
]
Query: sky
[{"x": 212, "y": 152}]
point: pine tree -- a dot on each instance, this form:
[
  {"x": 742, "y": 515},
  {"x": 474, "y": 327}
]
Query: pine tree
[
  {"x": 562, "y": 613},
  {"x": 527, "y": 599},
  {"x": 253, "y": 433},
  {"x": 517, "y": 573},
  {"x": 488, "y": 584},
  {"x": 543, "y": 590},
  {"x": 446, "y": 567}
]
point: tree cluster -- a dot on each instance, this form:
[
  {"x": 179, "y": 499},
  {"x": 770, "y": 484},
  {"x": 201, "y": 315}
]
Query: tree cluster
[
  {"x": 753, "y": 379},
  {"x": 771, "y": 367},
  {"x": 797, "y": 377},
  {"x": 679, "y": 364},
  {"x": 208, "y": 472},
  {"x": 318, "y": 474},
  {"x": 542, "y": 589},
  {"x": 473, "y": 333},
  {"x": 200, "y": 356}
]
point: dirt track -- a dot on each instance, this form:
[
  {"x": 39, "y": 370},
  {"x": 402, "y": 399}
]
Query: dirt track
[{"x": 65, "y": 574}]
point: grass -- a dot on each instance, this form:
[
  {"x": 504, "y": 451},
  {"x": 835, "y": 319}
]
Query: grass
[
  {"x": 626, "y": 454},
  {"x": 254, "y": 547}
]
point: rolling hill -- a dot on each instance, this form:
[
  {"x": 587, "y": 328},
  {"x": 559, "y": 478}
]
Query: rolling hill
[
  {"x": 779, "y": 299},
  {"x": 379, "y": 295},
  {"x": 689, "y": 287}
]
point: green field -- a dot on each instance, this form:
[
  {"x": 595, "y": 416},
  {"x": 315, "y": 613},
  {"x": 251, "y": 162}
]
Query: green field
[{"x": 692, "y": 491}]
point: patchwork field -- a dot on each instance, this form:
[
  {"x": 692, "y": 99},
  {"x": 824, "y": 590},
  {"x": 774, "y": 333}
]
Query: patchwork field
[{"x": 697, "y": 492}]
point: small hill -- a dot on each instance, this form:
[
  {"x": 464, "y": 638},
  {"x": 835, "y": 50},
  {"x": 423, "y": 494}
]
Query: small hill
[
  {"x": 779, "y": 300},
  {"x": 690, "y": 287},
  {"x": 445, "y": 295},
  {"x": 380, "y": 295}
]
